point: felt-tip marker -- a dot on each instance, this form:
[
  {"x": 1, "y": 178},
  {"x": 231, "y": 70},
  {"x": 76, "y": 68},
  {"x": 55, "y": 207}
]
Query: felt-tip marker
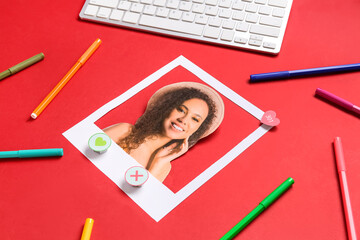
[
  {"x": 340, "y": 163},
  {"x": 50, "y": 152},
  {"x": 21, "y": 66},
  {"x": 259, "y": 209},
  {"x": 304, "y": 72},
  {"x": 89, "y": 222},
  {"x": 337, "y": 100}
]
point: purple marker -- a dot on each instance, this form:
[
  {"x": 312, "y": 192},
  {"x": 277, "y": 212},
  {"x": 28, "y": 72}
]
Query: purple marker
[{"x": 337, "y": 100}]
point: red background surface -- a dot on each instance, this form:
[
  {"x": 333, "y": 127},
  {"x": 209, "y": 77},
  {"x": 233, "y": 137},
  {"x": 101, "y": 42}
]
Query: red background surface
[{"x": 50, "y": 198}]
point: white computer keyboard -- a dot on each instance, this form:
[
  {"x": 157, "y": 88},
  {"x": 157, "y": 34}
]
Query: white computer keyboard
[{"x": 248, "y": 24}]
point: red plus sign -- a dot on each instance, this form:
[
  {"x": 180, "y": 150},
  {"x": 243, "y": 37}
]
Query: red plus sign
[{"x": 136, "y": 175}]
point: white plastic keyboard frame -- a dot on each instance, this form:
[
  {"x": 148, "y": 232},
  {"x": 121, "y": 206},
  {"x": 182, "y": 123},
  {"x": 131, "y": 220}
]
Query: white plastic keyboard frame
[{"x": 277, "y": 41}]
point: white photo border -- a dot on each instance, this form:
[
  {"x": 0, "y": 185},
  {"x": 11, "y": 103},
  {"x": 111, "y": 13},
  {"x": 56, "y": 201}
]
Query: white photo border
[{"x": 154, "y": 197}]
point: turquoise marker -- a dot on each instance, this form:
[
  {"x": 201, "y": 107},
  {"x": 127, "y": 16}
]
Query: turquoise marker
[
  {"x": 51, "y": 152},
  {"x": 259, "y": 209}
]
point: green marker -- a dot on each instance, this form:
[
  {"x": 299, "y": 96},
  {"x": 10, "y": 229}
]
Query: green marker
[
  {"x": 259, "y": 209},
  {"x": 22, "y": 65}
]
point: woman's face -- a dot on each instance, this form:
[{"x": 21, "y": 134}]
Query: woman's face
[{"x": 184, "y": 120}]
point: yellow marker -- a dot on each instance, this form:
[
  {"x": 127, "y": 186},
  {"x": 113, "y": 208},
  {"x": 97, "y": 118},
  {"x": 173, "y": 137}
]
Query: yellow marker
[{"x": 87, "y": 229}]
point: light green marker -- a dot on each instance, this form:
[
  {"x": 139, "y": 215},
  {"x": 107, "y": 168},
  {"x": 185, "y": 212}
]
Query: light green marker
[
  {"x": 22, "y": 65},
  {"x": 259, "y": 209}
]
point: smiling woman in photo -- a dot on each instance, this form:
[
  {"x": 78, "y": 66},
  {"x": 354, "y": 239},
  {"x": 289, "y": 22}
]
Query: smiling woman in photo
[{"x": 176, "y": 117}]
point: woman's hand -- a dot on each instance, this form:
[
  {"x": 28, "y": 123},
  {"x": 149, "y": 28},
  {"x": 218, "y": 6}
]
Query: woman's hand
[
  {"x": 168, "y": 153},
  {"x": 160, "y": 166}
]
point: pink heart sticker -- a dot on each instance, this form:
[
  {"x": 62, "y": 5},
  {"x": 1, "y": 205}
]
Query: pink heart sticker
[{"x": 269, "y": 118}]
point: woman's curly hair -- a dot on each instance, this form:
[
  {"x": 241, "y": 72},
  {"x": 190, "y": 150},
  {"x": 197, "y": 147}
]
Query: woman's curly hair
[{"x": 150, "y": 124}]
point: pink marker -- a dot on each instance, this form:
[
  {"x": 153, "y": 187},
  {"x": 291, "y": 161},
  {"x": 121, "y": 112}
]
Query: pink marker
[
  {"x": 340, "y": 162},
  {"x": 337, "y": 100}
]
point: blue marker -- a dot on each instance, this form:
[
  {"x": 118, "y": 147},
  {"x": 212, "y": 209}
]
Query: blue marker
[
  {"x": 51, "y": 152},
  {"x": 304, "y": 72}
]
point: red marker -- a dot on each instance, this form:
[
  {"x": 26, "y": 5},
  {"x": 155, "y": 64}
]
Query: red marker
[{"x": 340, "y": 163}]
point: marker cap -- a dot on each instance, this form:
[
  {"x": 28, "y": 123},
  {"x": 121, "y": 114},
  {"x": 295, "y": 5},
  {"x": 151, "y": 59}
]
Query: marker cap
[
  {"x": 51, "y": 152},
  {"x": 89, "y": 51},
  {"x": 356, "y": 109},
  {"x": 269, "y": 76},
  {"x": 277, "y": 192},
  {"x": 26, "y": 63},
  {"x": 339, "y": 154},
  {"x": 89, "y": 222},
  {"x": 5, "y": 74}
]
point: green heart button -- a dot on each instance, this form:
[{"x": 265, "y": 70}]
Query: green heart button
[{"x": 100, "y": 141}]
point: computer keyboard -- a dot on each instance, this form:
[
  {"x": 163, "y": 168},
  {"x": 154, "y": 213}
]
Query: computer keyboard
[{"x": 248, "y": 24}]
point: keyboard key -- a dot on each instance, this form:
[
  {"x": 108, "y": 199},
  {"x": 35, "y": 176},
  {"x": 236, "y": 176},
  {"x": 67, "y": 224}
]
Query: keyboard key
[
  {"x": 91, "y": 10},
  {"x": 212, "y": 32},
  {"x": 146, "y": 1},
  {"x": 201, "y": 19},
  {"x": 238, "y": 5},
  {"x": 243, "y": 27},
  {"x": 104, "y": 12},
  {"x": 171, "y": 25},
  {"x": 137, "y": 7},
  {"x": 131, "y": 17},
  {"x": 237, "y": 15},
  {"x": 265, "y": 10},
  {"x": 124, "y": 5},
  {"x": 270, "y": 21},
  {"x": 252, "y": 18},
  {"x": 251, "y": 8},
  {"x": 162, "y": 12},
  {"x": 255, "y": 43},
  {"x": 227, "y": 35},
  {"x": 269, "y": 45},
  {"x": 175, "y": 14},
  {"x": 188, "y": 17},
  {"x": 198, "y": 8},
  {"x": 215, "y": 22},
  {"x": 212, "y": 11},
  {"x": 105, "y": 3},
  {"x": 265, "y": 30},
  {"x": 173, "y": 4},
  {"x": 278, "y": 3},
  {"x": 260, "y": 2},
  {"x": 278, "y": 12},
  {"x": 185, "y": 6},
  {"x": 225, "y": 13},
  {"x": 225, "y": 3},
  {"x": 228, "y": 24},
  {"x": 149, "y": 10},
  {"x": 159, "y": 3},
  {"x": 211, "y": 2},
  {"x": 256, "y": 37},
  {"x": 240, "y": 40},
  {"x": 116, "y": 15}
]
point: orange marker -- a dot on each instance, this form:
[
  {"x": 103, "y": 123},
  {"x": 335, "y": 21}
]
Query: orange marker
[
  {"x": 87, "y": 229},
  {"x": 66, "y": 78}
]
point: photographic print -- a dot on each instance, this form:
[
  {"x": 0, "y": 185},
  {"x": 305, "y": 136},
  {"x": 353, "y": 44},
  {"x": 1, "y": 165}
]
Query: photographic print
[{"x": 180, "y": 124}]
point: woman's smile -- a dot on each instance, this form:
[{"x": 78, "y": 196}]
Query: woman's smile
[
  {"x": 177, "y": 127},
  {"x": 185, "y": 119}
]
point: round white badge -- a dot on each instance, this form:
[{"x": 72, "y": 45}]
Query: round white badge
[
  {"x": 99, "y": 142},
  {"x": 136, "y": 176}
]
